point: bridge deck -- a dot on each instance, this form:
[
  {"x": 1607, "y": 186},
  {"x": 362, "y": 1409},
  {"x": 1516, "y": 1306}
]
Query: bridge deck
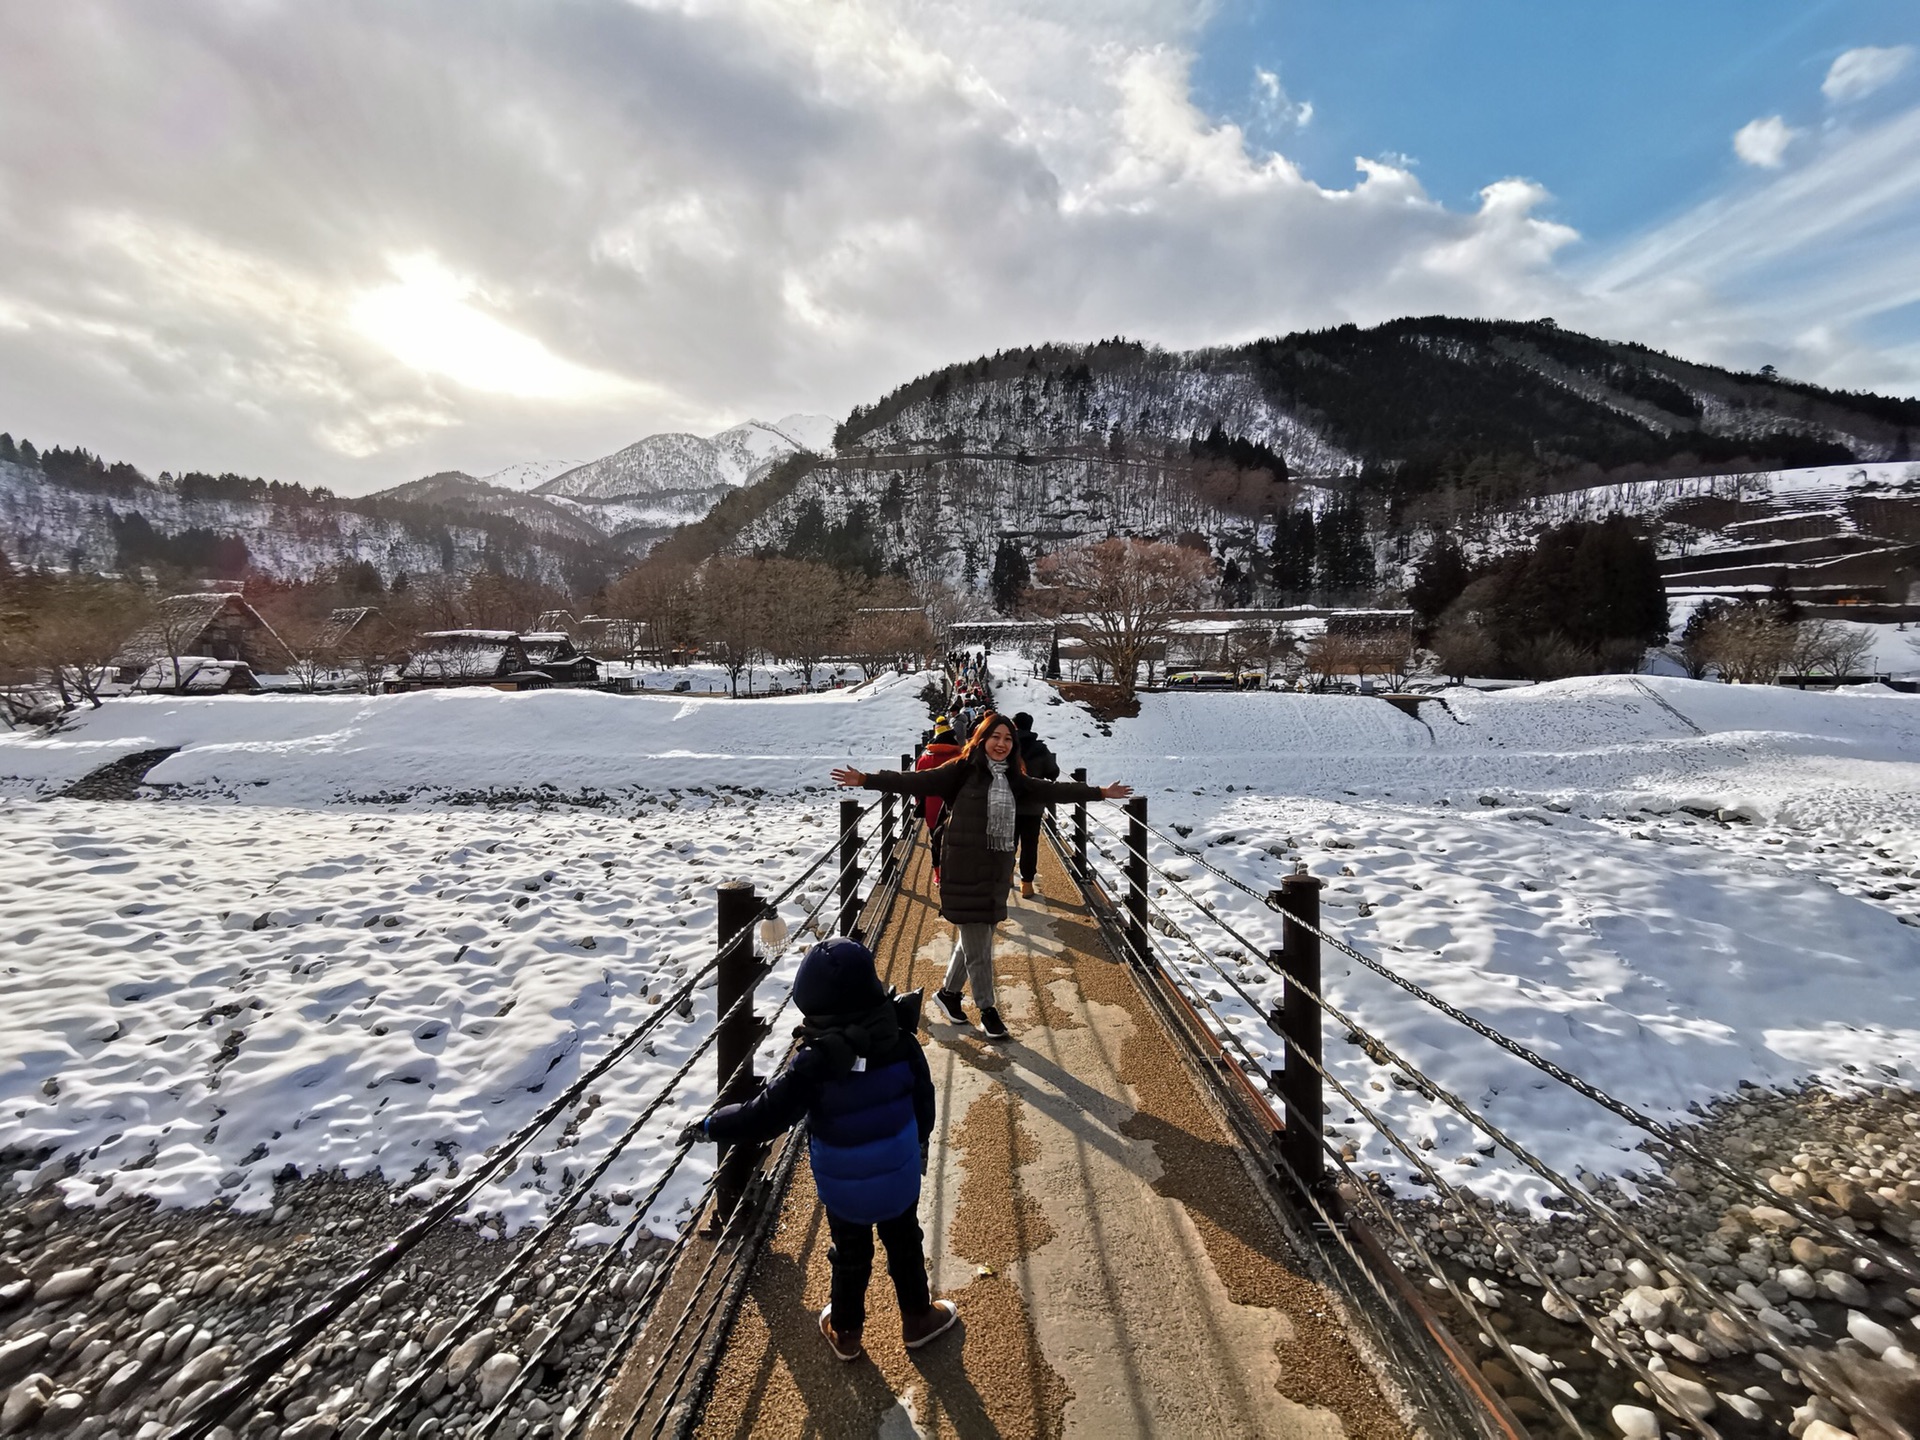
[{"x": 1117, "y": 1272}]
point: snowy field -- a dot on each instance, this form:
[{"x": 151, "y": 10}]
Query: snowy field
[
  {"x": 271, "y": 971},
  {"x": 1529, "y": 856},
  {"x": 323, "y": 951}
]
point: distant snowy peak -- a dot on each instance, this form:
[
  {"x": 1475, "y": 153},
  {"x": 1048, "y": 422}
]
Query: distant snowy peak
[
  {"x": 528, "y": 474},
  {"x": 679, "y": 463}
]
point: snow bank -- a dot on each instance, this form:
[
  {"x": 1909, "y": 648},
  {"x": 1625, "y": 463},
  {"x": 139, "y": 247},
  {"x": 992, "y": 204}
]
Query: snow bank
[{"x": 308, "y": 750}]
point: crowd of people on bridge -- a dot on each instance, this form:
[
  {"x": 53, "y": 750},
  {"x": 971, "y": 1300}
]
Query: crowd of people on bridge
[{"x": 860, "y": 1076}]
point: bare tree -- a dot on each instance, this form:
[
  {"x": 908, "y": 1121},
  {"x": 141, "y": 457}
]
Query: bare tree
[
  {"x": 79, "y": 628},
  {"x": 1749, "y": 644},
  {"x": 1464, "y": 648},
  {"x": 1122, "y": 596},
  {"x": 1828, "y": 647},
  {"x": 730, "y": 609},
  {"x": 808, "y": 609},
  {"x": 661, "y": 595}
]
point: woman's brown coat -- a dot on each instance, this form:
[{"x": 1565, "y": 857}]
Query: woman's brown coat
[{"x": 974, "y": 878}]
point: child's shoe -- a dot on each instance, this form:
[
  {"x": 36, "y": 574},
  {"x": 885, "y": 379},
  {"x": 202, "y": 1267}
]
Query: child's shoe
[
  {"x": 847, "y": 1347},
  {"x": 930, "y": 1324},
  {"x": 950, "y": 1002},
  {"x": 991, "y": 1025},
  {"x": 1026, "y": 888}
]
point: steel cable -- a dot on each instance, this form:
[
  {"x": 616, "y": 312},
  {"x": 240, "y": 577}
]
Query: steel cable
[
  {"x": 261, "y": 1369},
  {"x": 1806, "y": 1214},
  {"x": 1599, "y": 1209}
]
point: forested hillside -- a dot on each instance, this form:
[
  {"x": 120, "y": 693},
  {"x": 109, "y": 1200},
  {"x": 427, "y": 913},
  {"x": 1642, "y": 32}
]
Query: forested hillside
[{"x": 1304, "y": 462}]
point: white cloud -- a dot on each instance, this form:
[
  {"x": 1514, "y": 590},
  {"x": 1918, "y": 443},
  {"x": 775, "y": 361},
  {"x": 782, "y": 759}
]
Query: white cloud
[
  {"x": 1764, "y": 142},
  {"x": 1273, "y": 108},
  {"x": 666, "y": 214},
  {"x": 1858, "y": 73}
]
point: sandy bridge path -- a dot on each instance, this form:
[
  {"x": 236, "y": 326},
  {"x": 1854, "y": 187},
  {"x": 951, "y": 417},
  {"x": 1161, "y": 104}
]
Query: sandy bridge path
[{"x": 1116, "y": 1272}]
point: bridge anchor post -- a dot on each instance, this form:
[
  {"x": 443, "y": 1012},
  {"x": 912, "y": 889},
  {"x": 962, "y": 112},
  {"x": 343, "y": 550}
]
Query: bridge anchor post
[
  {"x": 849, "y": 872},
  {"x": 1137, "y": 878},
  {"x": 738, "y": 906},
  {"x": 1300, "y": 1149},
  {"x": 1080, "y": 830}
]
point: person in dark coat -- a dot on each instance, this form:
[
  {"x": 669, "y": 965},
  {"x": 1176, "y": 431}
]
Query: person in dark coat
[
  {"x": 939, "y": 751},
  {"x": 860, "y": 1080},
  {"x": 982, "y": 789},
  {"x": 1037, "y": 759}
]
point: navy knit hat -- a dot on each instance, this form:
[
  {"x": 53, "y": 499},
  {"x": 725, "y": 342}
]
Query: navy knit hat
[{"x": 837, "y": 978}]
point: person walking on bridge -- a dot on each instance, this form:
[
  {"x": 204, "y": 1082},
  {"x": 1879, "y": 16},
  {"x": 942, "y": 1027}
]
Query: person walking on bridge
[
  {"x": 860, "y": 1080},
  {"x": 1037, "y": 759},
  {"x": 942, "y": 748},
  {"x": 983, "y": 787}
]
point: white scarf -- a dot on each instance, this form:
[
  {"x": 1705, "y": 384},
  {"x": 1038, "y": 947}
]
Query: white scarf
[{"x": 1000, "y": 808}]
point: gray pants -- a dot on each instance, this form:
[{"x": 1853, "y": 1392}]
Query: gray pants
[{"x": 973, "y": 960}]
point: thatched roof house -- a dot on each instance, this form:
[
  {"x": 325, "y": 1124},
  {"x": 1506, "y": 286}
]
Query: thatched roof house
[
  {"x": 196, "y": 675},
  {"x": 210, "y": 625},
  {"x": 553, "y": 653},
  {"x": 463, "y": 657}
]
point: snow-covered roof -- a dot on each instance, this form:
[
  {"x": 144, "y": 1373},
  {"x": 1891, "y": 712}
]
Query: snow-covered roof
[
  {"x": 179, "y": 621},
  {"x": 193, "y": 674}
]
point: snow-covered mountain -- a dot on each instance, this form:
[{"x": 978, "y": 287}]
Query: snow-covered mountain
[
  {"x": 681, "y": 464},
  {"x": 528, "y": 474}
]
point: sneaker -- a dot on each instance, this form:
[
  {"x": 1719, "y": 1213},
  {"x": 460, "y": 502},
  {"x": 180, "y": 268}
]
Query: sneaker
[
  {"x": 847, "y": 1347},
  {"x": 950, "y": 1002},
  {"x": 934, "y": 1322},
  {"x": 1026, "y": 889},
  {"x": 991, "y": 1025}
]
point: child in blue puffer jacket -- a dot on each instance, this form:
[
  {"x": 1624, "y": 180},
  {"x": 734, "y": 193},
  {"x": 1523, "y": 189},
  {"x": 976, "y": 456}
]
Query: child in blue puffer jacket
[{"x": 861, "y": 1082}]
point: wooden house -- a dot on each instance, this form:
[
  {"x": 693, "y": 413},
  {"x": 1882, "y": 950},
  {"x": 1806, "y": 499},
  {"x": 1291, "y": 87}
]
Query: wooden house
[
  {"x": 445, "y": 658},
  {"x": 211, "y": 625},
  {"x": 553, "y": 653}
]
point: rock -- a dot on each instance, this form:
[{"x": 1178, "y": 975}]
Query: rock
[
  {"x": 1797, "y": 1282},
  {"x": 62, "y": 1410},
  {"x": 495, "y": 1375},
  {"x": 1690, "y": 1396},
  {"x": 120, "y": 1385},
  {"x": 205, "y": 1366},
  {"x": 1646, "y": 1307},
  {"x": 1808, "y": 1253},
  {"x": 1741, "y": 1406},
  {"x": 209, "y": 1279},
  {"x": 1842, "y": 1287},
  {"x": 1642, "y": 1272},
  {"x": 378, "y": 1378},
  {"x": 24, "y": 1404},
  {"x": 1689, "y": 1349},
  {"x": 1566, "y": 1265},
  {"x": 314, "y": 1427},
  {"x": 1636, "y": 1422},
  {"x": 145, "y": 1298},
  {"x": 1821, "y": 1430},
  {"x": 1563, "y": 1310},
  {"x": 1773, "y": 1218},
  {"x": 467, "y": 1354},
  {"x": 177, "y": 1341},
  {"x": 161, "y": 1315},
  {"x": 19, "y": 1356},
  {"x": 65, "y": 1284},
  {"x": 1870, "y": 1333}
]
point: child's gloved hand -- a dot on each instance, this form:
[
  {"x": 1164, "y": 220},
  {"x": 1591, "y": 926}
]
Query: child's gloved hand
[{"x": 695, "y": 1133}]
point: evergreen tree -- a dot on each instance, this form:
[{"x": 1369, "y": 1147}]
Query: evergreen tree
[
  {"x": 1438, "y": 580},
  {"x": 7, "y": 449},
  {"x": 1343, "y": 554},
  {"x": 1294, "y": 542},
  {"x": 1010, "y": 576}
]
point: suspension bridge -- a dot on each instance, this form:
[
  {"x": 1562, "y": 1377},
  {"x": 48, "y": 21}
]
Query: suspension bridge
[{"x": 1147, "y": 1225}]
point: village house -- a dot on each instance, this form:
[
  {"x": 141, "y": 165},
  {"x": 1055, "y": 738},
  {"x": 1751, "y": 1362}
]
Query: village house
[
  {"x": 211, "y": 625},
  {"x": 446, "y": 658},
  {"x": 196, "y": 675},
  {"x": 552, "y": 653}
]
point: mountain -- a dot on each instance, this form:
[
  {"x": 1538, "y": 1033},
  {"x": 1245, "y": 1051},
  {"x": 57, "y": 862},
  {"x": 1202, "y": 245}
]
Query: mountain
[
  {"x": 683, "y": 465},
  {"x": 528, "y": 474},
  {"x": 1407, "y": 425},
  {"x": 68, "y": 510}
]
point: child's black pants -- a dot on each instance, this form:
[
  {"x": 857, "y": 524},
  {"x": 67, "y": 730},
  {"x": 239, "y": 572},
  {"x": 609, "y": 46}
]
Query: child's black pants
[{"x": 852, "y": 1259}]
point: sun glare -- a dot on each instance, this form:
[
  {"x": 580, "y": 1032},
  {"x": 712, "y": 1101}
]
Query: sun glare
[{"x": 426, "y": 319}]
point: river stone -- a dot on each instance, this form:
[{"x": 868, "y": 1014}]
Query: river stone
[
  {"x": 24, "y": 1404},
  {"x": 1842, "y": 1287},
  {"x": 467, "y": 1354},
  {"x": 496, "y": 1375},
  {"x": 65, "y": 1284},
  {"x": 18, "y": 1356},
  {"x": 1691, "y": 1396},
  {"x": 1636, "y": 1422}
]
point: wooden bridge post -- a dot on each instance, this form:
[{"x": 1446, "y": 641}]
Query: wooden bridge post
[
  {"x": 1137, "y": 876},
  {"x": 1080, "y": 830},
  {"x": 739, "y": 973},
  {"x": 849, "y": 872},
  {"x": 1299, "y": 898}
]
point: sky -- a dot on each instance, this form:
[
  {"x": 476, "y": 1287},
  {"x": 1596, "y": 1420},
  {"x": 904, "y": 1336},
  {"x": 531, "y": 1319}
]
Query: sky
[{"x": 354, "y": 243}]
